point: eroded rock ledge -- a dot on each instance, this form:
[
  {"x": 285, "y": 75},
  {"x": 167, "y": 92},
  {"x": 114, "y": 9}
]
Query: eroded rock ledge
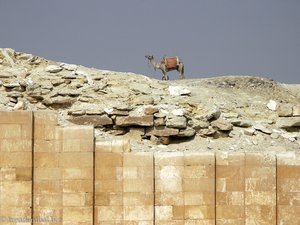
[{"x": 238, "y": 109}]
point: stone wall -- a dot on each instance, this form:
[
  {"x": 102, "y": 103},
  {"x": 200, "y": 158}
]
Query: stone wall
[{"x": 59, "y": 175}]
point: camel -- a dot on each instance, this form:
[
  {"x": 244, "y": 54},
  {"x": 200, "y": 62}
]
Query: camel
[{"x": 167, "y": 64}]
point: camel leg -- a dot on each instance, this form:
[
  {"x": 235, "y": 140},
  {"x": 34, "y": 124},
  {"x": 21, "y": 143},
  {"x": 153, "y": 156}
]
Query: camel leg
[
  {"x": 181, "y": 71},
  {"x": 165, "y": 76}
]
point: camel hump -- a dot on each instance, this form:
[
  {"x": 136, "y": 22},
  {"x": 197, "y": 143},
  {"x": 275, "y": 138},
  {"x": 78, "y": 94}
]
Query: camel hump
[{"x": 171, "y": 62}]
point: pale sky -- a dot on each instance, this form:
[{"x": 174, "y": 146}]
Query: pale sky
[{"x": 212, "y": 37}]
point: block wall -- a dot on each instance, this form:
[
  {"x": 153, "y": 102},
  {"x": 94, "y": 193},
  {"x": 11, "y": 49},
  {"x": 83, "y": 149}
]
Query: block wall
[
  {"x": 58, "y": 175},
  {"x": 15, "y": 167}
]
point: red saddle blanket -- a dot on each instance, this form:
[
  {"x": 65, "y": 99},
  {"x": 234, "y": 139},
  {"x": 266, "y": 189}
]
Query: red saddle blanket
[{"x": 171, "y": 62}]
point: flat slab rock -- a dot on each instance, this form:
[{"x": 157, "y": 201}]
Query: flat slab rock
[
  {"x": 287, "y": 122},
  {"x": 124, "y": 121},
  {"x": 97, "y": 120}
]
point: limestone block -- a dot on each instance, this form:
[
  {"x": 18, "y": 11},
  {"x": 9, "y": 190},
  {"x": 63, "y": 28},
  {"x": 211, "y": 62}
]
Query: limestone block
[
  {"x": 168, "y": 159},
  {"x": 163, "y": 212},
  {"x": 47, "y": 146},
  {"x": 103, "y": 146},
  {"x": 78, "y": 132},
  {"x": 74, "y": 186},
  {"x": 16, "y": 159},
  {"x": 47, "y": 174},
  {"x": 47, "y": 186},
  {"x": 288, "y": 214},
  {"x": 138, "y": 185},
  {"x": 17, "y": 187},
  {"x": 78, "y": 173},
  {"x": 199, "y": 198},
  {"x": 108, "y": 159},
  {"x": 226, "y": 159},
  {"x": 78, "y": 214},
  {"x": 199, "y": 212},
  {"x": 47, "y": 132},
  {"x": 23, "y": 174},
  {"x": 134, "y": 121},
  {"x": 109, "y": 186},
  {"x": 229, "y": 212},
  {"x": 96, "y": 120},
  {"x": 169, "y": 198},
  {"x": 10, "y": 131},
  {"x": 46, "y": 159},
  {"x": 103, "y": 172},
  {"x": 48, "y": 200},
  {"x": 176, "y": 122},
  {"x": 109, "y": 213},
  {"x": 138, "y": 213},
  {"x": 260, "y": 215},
  {"x": 169, "y": 185},
  {"x": 199, "y": 185},
  {"x": 230, "y": 198},
  {"x": 142, "y": 159},
  {"x": 77, "y": 199},
  {"x": 137, "y": 199},
  {"x": 17, "y": 117},
  {"x": 199, "y": 158},
  {"x": 16, "y": 145},
  {"x": 13, "y": 199},
  {"x": 77, "y": 159},
  {"x": 108, "y": 198},
  {"x": 162, "y": 131}
]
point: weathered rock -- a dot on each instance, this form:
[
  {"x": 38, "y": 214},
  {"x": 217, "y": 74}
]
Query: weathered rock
[
  {"x": 78, "y": 112},
  {"x": 68, "y": 92},
  {"x": 124, "y": 121},
  {"x": 176, "y": 122},
  {"x": 178, "y": 112},
  {"x": 221, "y": 124},
  {"x": 91, "y": 120},
  {"x": 249, "y": 131},
  {"x": 162, "y": 131},
  {"x": 19, "y": 106},
  {"x": 53, "y": 69},
  {"x": 188, "y": 132},
  {"x": 11, "y": 85},
  {"x": 150, "y": 110},
  {"x": 143, "y": 100},
  {"x": 159, "y": 121},
  {"x": 285, "y": 110},
  {"x": 288, "y": 122},
  {"x": 272, "y": 105},
  {"x": 207, "y": 131},
  {"x": 241, "y": 122},
  {"x": 59, "y": 101},
  {"x": 262, "y": 128},
  {"x": 178, "y": 90},
  {"x": 141, "y": 88},
  {"x": 296, "y": 110},
  {"x": 112, "y": 111},
  {"x": 70, "y": 67}
]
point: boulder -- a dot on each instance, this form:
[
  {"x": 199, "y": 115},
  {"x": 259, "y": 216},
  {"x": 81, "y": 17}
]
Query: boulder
[
  {"x": 222, "y": 125},
  {"x": 296, "y": 110},
  {"x": 124, "y": 121},
  {"x": 176, "y": 122},
  {"x": 285, "y": 110},
  {"x": 53, "y": 69},
  {"x": 241, "y": 122},
  {"x": 288, "y": 122},
  {"x": 188, "y": 132},
  {"x": 272, "y": 105}
]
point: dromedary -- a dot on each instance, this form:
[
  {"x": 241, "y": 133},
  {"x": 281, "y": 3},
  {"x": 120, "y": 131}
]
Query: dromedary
[{"x": 167, "y": 64}]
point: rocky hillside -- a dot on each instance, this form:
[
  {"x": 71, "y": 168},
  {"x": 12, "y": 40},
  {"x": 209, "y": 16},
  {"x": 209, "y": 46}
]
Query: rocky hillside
[{"x": 231, "y": 113}]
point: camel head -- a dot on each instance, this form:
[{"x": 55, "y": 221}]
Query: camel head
[{"x": 149, "y": 57}]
